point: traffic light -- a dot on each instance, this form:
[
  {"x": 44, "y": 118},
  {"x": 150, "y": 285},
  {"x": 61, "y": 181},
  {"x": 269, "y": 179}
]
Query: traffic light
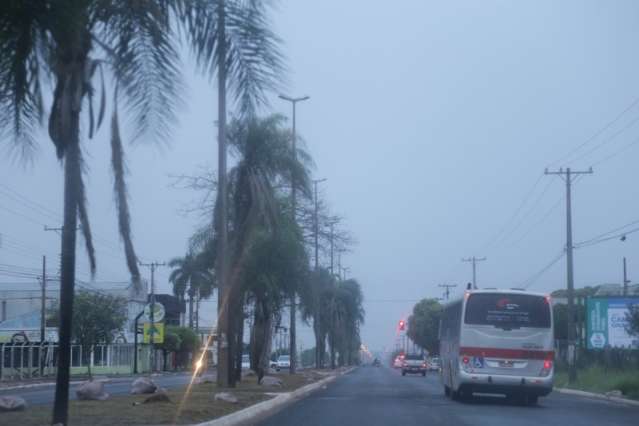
[{"x": 402, "y": 325}]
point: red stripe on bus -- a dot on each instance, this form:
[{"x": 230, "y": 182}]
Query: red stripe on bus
[{"x": 506, "y": 353}]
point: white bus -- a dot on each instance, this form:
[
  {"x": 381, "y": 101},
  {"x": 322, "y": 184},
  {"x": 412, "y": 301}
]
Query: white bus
[{"x": 497, "y": 341}]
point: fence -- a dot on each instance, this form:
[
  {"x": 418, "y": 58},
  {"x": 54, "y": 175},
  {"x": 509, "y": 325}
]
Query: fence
[
  {"x": 607, "y": 358},
  {"x": 30, "y": 360}
]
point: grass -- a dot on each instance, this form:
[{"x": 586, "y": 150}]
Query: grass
[
  {"x": 198, "y": 407},
  {"x": 599, "y": 380}
]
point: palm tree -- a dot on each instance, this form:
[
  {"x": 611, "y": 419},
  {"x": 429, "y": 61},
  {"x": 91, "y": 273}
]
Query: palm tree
[
  {"x": 72, "y": 45},
  {"x": 265, "y": 161},
  {"x": 190, "y": 277},
  {"x": 232, "y": 39}
]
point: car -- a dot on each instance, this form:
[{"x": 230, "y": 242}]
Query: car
[
  {"x": 246, "y": 362},
  {"x": 434, "y": 364},
  {"x": 414, "y": 364},
  {"x": 397, "y": 363},
  {"x": 283, "y": 361},
  {"x": 377, "y": 363}
]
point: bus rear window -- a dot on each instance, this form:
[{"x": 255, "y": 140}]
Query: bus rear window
[{"x": 507, "y": 311}]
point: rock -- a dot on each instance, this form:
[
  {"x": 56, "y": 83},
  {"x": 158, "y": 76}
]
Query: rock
[
  {"x": 271, "y": 381},
  {"x": 143, "y": 385},
  {"x": 226, "y": 397},
  {"x": 91, "y": 391},
  {"x": 159, "y": 396},
  {"x": 615, "y": 394},
  {"x": 12, "y": 403}
]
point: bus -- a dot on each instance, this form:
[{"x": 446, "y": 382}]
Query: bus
[{"x": 499, "y": 342}]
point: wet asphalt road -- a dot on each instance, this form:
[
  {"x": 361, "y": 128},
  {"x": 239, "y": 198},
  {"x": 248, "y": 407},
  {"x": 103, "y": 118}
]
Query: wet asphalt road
[
  {"x": 115, "y": 386},
  {"x": 381, "y": 396}
]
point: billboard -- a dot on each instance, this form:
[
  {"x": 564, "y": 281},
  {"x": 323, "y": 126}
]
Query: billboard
[{"x": 606, "y": 322}]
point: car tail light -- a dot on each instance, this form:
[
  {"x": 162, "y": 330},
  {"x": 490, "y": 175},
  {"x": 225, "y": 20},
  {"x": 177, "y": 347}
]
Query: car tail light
[{"x": 424, "y": 364}]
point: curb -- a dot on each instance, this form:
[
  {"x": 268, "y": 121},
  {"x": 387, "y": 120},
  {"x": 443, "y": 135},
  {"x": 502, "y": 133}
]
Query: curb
[
  {"x": 599, "y": 396},
  {"x": 266, "y": 408},
  {"x": 106, "y": 379}
]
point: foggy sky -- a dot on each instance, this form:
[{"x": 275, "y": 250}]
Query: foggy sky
[{"x": 432, "y": 122}]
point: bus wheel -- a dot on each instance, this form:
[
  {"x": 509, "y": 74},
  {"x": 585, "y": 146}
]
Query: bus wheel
[{"x": 446, "y": 391}]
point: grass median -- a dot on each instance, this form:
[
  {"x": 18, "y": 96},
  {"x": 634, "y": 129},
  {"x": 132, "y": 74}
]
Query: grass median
[
  {"x": 600, "y": 380},
  {"x": 198, "y": 406}
]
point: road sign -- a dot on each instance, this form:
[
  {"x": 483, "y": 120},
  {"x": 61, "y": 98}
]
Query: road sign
[
  {"x": 158, "y": 312},
  {"x": 158, "y": 332}
]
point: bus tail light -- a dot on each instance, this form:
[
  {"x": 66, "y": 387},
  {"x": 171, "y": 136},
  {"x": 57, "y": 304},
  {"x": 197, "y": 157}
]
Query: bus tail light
[
  {"x": 466, "y": 360},
  {"x": 545, "y": 371}
]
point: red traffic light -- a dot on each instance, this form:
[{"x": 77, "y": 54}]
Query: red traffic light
[{"x": 402, "y": 325}]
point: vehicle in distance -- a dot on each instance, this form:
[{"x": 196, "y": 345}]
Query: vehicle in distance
[
  {"x": 497, "y": 341},
  {"x": 397, "y": 362},
  {"x": 414, "y": 364},
  {"x": 283, "y": 361},
  {"x": 434, "y": 364},
  {"x": 246, "y": 362},
  {"x": 376, "y": 363}
]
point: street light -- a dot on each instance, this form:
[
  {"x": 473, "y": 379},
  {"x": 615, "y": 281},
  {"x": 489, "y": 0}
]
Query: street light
[{"x": 292, "y": 335}]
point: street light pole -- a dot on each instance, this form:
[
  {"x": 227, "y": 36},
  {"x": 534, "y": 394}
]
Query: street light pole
[{"x": 293, "y": 102}]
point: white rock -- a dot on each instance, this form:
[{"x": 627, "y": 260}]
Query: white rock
[
  {"x": 143, "y": 385},
  {"x": 271, "y": 381},
  {"x": 91, "y": 391},
  {"x": 12, "y": 403},
  {"x": 226, "y": 397},
  {"x": 615, "y": 393}
]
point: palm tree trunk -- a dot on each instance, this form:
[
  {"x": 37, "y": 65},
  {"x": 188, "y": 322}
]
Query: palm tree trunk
[
  {"x": 72, "y": 172},
  {"x": 223, "y": 365},
  {"x": 292, "y": 341}
]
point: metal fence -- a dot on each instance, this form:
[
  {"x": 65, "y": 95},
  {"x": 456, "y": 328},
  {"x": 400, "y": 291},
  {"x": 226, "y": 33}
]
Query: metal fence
[{"x": 31, "y": 360}]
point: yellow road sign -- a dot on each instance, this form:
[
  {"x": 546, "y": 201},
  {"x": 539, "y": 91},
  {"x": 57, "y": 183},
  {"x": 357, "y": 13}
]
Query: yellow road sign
[{"x": 158, "y": 332}]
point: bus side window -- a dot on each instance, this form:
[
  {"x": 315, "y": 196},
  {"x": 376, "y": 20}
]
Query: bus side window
[{"x": 439, "y": 332}]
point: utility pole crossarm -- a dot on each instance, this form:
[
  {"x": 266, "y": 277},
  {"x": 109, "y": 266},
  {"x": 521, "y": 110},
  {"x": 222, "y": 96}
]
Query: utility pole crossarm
[{"x": 474, "y": 261}]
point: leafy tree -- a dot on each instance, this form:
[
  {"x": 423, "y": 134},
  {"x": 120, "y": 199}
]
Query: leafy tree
[
  {"x": 423, "y": 324},
  {"x": 97, "y": 318},
  {"x": 171, "y": 344},
  {"x": 632, "y": 316},
  {"x": 191, "y": 276}
]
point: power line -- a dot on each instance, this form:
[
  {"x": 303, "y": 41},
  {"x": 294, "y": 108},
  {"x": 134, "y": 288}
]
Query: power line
[
  {"x": 530, "y": 281},
  {"x": 596, "y": 134}
]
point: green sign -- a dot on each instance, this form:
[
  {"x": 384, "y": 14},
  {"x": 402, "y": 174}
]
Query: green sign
[
  {"x": 606, "y": 322},
  {"x": 158, "y": 332}
]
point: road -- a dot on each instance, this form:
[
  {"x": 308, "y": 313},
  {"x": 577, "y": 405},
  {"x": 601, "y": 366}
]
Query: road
[
  {"x": 115, "y": 386},
  {"x": 381, "y": 396}
]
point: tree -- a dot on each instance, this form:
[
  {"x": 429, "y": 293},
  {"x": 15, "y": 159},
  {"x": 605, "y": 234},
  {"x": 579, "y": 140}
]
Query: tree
[
  {"x": 423, "y": 325},
  {"x": 191, "y": 276},
  {"x": 97, "y": 318},
  {"x": 72, "y": 45},
  {"x": 232, "y": 39},
  {"x": 171, "y": 344},
  {"x": 632, "y": 316}
]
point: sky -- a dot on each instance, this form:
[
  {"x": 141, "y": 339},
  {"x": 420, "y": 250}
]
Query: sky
[{"x": 432, "y": 122}]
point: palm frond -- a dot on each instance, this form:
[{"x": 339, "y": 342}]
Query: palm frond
[
  {"x": 21, "y": 105},
  {"x": 119, "y": 187},
  {"x": 144, "y": 59},
  {"x": 84, "y": 218}
]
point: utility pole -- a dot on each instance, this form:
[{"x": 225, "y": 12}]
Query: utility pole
[
  {"x": 333, "y": 222},
  {"x": 152, "y": 265},
  {"x": 626, "y": 281},
  {"x": 447, "y": 288},
  {"x": 293, "y": 313},
  {"x": 567, "y": 175},
  {"x": 474, "y": 261},
  {"x": 43, "y": 305}
]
